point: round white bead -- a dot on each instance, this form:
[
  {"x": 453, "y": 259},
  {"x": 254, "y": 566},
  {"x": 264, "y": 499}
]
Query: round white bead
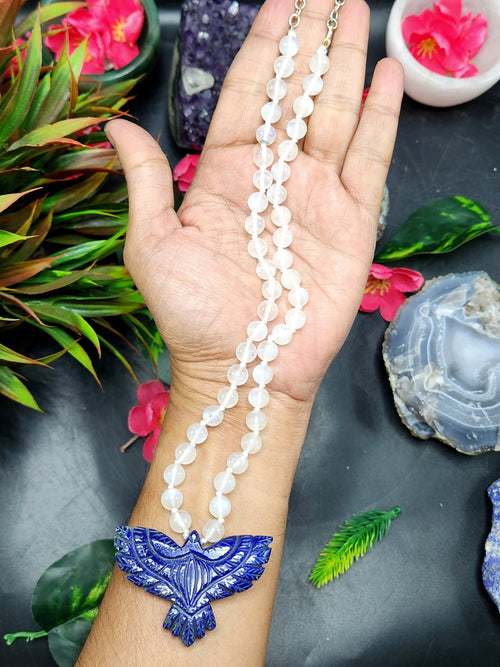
[
  {"x": 281, "y": 216},
  {"x": 254, "y": 224},
  {"x": 289, "y": 45},
  {"x": 174, "y": 474},
  {"x": 295, "y": 318},
  {"x": 282, "y": 237},
  {"x": 276, "y": 89},
  {"x": 282, "y": 334},
  {"x": 267, "y": 311},
  {"x": 213, "y": 415},
  {"x": 213, "y": 530},
  {"x": 251, "y": 443},
  {"x": 265, "y": 134},
  {"x": 262, "y": 373},
  {"x": 237, "y": 374},
  {"x": 303, "y": 106},
  {"x": 219, "y": 506},
  {"x": 180, "y": 521},
  {"x": 298, "y": 296},
  {"x": 272, "y": 289},
  {"x": 263, "y": 156},
  {"x": 185, "y": 453},
  {"x": 246, "y": 352},
  {"x": 267, "y": 351},
  {"x": 282, "y": 259},
  {"x": 258, "y": 397},
  {"x": 283, "y": 66},
  {"x": 313, "y": 84},
  {"x": 288, "y": 150},
  {"x": 228, "y": 397},
  {"x": 262, "y": 179},
  {"x": 319, "y": 63},
  {"x": 171, "y": 499},
  {"x": 265, "y": 269},
  {"x": 271, "y": 112},
  {"x": 256, "y": 420},
  {"x": 257, "y": 330},
  {"x": 257, "y": 202},
  {"x": 237, "y": 462},
  {"x": 280, "y": 171},
  {"x": 224, "y": 482},
  {"x": 197, "y": 433},
  {"x": 296, "y": 129},
  {"x": 290, "y": 278},
  {"x": 276, "y": 194},
  {"x": 257, "y": 248}
]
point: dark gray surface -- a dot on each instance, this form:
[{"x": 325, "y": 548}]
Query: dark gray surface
[{"x": 417, "y": 597}]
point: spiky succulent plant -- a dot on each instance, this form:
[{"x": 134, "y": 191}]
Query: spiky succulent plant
[{"x": 61, "y": 221}]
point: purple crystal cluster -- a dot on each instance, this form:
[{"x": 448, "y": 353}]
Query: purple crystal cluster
[
  {"x": 491, "y": 564},
  {"x": 211, "y": 33}
]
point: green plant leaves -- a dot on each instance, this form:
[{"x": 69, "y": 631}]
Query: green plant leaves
[
  {"x": 438, "y": 227},
  {"x": 12, "y": 387}
]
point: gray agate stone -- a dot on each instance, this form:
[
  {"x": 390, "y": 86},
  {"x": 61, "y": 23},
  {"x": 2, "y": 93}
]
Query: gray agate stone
[
  {"x": 442, "y": 355},
  {"x": 491, "y": 563}
]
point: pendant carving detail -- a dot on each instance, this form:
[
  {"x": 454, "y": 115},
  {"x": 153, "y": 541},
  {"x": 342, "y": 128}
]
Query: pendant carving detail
[{"x": 189, "y": 575}]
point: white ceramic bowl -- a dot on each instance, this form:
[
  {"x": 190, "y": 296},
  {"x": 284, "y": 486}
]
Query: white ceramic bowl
[{"x": 435, "y": 89}]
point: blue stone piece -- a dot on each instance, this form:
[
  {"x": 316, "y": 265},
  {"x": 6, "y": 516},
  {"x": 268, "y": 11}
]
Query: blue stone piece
[
  {"x": 491, "y": 563},
  {"x": 190, "y": 576}
]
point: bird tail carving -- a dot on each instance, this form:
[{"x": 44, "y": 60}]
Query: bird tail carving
[{"x": 189, "y": 626}]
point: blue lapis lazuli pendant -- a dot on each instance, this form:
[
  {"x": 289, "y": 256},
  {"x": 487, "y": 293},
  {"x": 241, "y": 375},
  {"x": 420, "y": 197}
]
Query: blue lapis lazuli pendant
[{"x": 190, "y": 576}]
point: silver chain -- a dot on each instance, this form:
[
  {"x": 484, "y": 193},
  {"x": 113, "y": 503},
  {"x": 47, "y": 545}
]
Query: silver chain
[
  {"x": 294, "y": 19},
  {"x": 332, "y": 22}
]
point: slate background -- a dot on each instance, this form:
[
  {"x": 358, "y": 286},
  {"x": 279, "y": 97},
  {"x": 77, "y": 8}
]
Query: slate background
[{"x": 417, "y": 598}]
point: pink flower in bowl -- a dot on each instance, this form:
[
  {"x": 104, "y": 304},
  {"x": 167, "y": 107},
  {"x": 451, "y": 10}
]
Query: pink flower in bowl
[{"x": 146, "y": 418}]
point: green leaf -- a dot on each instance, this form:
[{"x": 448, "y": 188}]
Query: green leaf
[
  {"x": 12, "y": 357},
  {"x": 87, "y": 253},
  {"x": 7, "y": 238},
  {"x": 66, "y": 640},
  {"x": 119, "y": 356},
  {"x": 12, "y": 387},
  {"x": 438, "y": 227},
  {"x": 51, "y": 312},
  {"x": 54, "y": 132},
  {"x": 8, "y": 200},
  {"x": 355, "y": 537},
  {"x": 10, "y": 275},
  {"x": 47, "y": 13},
  {"x": 48, "y": 281}
]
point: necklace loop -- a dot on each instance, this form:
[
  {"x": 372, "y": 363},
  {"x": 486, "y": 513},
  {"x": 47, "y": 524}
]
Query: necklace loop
[
  {"x": 294, "y": 19},
  {"x": 332, "y": 23}
]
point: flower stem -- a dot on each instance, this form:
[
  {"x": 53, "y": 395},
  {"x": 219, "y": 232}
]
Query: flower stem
[
  {"x": 124, "y": 447},
  {"x": 28, "y": 636}
]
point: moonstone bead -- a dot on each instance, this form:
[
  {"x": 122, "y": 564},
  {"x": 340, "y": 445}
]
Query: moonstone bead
[
  {"x": 282, "y": 259},
  {"x": 174, "y": 474},
  {"x": 262, "y": 373},
  {"x": 254, "y": 224},
  {"x": 282, "y": 334},
  {"x": 197, "y": 433},
  {"x": 257, "y": 330},
  {"x": 290, "y": 278},
  {"x": 263, "y": 156},
  {"x": 276, "y": 89},
  {"x": 296, "y": 129},
  {"x": 272, "y": 289},
  {"x": 319, "y": 63},
  {"x": 257, "y": 202},
  {"x": 283, "y": 66},
  {"x": 224, "y": 482},
  {"x": 171, "y": 499},
  {"x": 258, "y": 397},
  {"x": 265, "y": 134},
  {"x": 281, "y": 216},
  {"x": 237, "y": 462},
  {"x": 213, "y": 415},
  {"x": 265, "y": 269},
  {"x": 271, "y": 112},
  {"x": 288, "y": 150},
  {"x": 213, "y": 530},
  {"x": 237, "y": 374},
  {"x": 180, "y": 521},
  {"x": 282, "y": 237},
  {"x": 313, "y": 84},
  {"x": 228, "y": 397},
  {"x": 295, "y": 318},
  {"x": 280, "y": 171},
  {"x": 257, "y": 248},
  {"x": 298, "y": 296},
  {"x": 219, "y": 506},
  {"x": 256, "y": 420},
  {"x": 267, "y": 351},
  {"x": 246, "y": 352},
  {"x": 251, "y": 443},
  {"x": 185, "y": 453},
  {"x": 289, "y": 45},
  {"x": 276, "y": 194},
  {"x": 262, "y": 179},
  {"x": 303, "y": 106},
  {"x": 267, "y": 311}
]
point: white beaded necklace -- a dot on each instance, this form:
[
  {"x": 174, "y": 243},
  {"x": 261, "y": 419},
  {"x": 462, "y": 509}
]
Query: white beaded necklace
[{"x": 269, "y": 190}]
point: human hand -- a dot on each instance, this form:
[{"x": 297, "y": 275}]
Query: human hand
[{"x": 193, "y": 268}]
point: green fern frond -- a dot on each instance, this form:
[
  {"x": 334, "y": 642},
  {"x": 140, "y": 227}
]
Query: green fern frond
[{"x": 352, "y": 541}]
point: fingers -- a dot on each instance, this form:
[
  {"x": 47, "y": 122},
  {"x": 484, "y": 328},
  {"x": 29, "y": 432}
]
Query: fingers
[{"x": 369, "y": 155}]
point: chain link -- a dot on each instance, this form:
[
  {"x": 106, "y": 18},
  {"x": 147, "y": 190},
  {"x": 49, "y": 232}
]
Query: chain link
[
  {"x": 332, "y": 22},
  {"x": 294, "y": 19}
]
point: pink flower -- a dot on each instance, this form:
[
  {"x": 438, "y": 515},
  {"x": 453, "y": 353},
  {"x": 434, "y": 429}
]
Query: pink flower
[
  {"x": 125, "y": 19},
  {"x": 385, "y": 289},
  {"x": 185, "y": 170},
  {"x": 13, "y": 67},
  {"x": 97, "y": 144},
  {"x": 363, "y": 100},
  {"x": 444, "y": 41},
  {"x": 146, "y": 418}
]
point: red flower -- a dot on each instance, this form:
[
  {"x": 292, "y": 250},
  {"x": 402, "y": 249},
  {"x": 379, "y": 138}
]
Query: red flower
[
  {"x": 444, "y": 41},
  {"x": 185, "y": 170},
  {"x": 146, "y": 418},
  {"x": 385, "y": 289}
]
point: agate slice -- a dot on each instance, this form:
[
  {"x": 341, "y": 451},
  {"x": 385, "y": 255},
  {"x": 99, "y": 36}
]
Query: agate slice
[
  {"x": 491, "y": 563},
  {"x": 442, "y": 354}
]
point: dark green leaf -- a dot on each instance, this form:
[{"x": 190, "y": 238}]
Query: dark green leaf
[
  {"x": 87, "y": 253},
  {"x": 12, "y": 387},
  {"x": 50, "y": 312},
  {"x": 66, "y": 640},
  {"x": 438, "y": 227}
]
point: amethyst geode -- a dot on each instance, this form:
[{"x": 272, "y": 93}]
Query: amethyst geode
[{"x": 211, "y": 33}]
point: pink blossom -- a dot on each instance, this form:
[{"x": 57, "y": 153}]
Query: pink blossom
[
  {"x": 146, "y": 418},
  {"x": 385, "y": 289},
  {"x": 444, "y": 41},
  {"x": 363, "y": 100},
  {"x": 13, "y": 67},
  {"x": 185, "y": 170}
]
